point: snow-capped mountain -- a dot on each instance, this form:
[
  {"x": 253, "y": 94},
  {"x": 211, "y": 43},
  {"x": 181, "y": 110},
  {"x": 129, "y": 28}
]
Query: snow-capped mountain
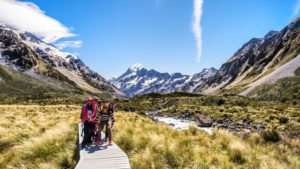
[
  {"x": 24, "y": 52},
  {"x": 138, "y": 80}
]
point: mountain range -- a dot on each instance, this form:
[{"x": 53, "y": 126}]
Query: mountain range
[
  {"x": 138, "y": 80},
  {"x": 260, "y": 62},
  {"x": 264, "y": 68},
  {"x": 25, "y": 53}
]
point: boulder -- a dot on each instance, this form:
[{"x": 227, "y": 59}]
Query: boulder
[
  {"x": 172, "y": 124},
  {"x": 203, "y": 121},
  {"x": 129, "y": 109}
]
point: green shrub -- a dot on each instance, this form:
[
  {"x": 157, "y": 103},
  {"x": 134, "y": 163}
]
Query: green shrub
[
  {"x": 172, "y": 158},
  {"x": 283, "y": 119},
  {"x": 142, "y": 113},
  {"x": 298, "y": 119},
  {"x": 143, "y": 142},
  {"x": 236, "y": 156},
  {"x": 176, "y": 133},
  {"x": 185, "y": 142},
  {"x": 126, "y": 143},
  {"x": 224, "y": 142},
  {"x": 135, "y": 164},
  {"x": 130, "y": 131},
  {"x": 65, "y": 163},
  {"x": 221, "y": 102},
  {"x": 270, "y": 135},
  {"x": 193, "y": 130},
  {"x": 202, "y": 165},
  {"x": 297, "y": 71}
]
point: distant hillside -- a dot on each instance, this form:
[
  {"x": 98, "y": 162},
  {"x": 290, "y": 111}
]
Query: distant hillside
[
  {"x": 253, "y": 64},
  {"x": 138, "y": 80},
  {"x": 286, "y": 90},
  {"x": 31, "y": 66}
]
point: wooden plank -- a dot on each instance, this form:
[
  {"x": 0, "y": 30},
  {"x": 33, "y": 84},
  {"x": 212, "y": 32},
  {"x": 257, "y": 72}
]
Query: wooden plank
[{"x": 102, "y": 156}]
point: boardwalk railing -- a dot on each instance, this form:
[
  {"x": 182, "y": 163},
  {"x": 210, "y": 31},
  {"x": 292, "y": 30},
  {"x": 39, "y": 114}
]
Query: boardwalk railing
[{"x": 102, "y": 156}]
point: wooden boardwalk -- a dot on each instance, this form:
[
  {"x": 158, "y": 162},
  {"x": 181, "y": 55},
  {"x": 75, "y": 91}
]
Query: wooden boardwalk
[{"x": 102, "y": 156}]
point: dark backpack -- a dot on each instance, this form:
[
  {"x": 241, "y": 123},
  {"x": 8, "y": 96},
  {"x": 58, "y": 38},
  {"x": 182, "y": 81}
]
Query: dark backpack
[{"x": 81, "y": 114}]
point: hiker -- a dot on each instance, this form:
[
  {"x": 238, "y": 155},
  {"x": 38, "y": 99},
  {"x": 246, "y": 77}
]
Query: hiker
[
  {"x": 111, "y": 108},
  {"x": 92, "y": 129},
  {"x": 106, "y": 118},
  {"x": 88, "y": 112},
  {"x": 97, "y": 117},
  {"x": 98, "y": 110}
]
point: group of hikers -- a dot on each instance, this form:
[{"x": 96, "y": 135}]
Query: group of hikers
[{"x": 95, "y": 116}]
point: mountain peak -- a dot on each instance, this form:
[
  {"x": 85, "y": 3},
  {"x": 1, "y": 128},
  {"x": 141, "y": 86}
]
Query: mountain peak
[
  {"x": 209, "y": 69},
  {"x": 270, "y": 34},
  {"x": 2, "y": 25},
  {"x": 136, "y": 67}
]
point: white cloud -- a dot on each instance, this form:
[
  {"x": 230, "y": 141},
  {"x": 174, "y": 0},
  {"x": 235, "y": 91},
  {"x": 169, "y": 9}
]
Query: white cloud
[
  {"x": 26, "y": 16},
  {"x": 196, "y": 26},
  {"x": 297, "y": 8},
  {"x": 66, "y": 44}
]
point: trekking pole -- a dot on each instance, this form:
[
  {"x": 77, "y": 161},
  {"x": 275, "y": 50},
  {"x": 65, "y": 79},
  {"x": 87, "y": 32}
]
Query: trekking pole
[{"x": 82, "y": 129}]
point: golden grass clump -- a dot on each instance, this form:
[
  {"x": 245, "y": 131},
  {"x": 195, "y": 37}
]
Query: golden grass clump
[
  {"x": 38, "y": 136},
  {"x": 156, "y": 145}
]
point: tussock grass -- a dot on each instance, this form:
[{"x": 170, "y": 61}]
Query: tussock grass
[
  {"x": 46, "y": 137},
  {"x": 38, "y": 136},
  {"x": 156, "y": 145},
  {"x": 271, "y": 135},
  {"x": 283, "y": 117}
]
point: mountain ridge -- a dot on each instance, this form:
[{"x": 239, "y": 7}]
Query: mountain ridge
[
  {"x": 254, "y": 60},
  {"x": 26, "y": 53},
  {"x": 138, "y": 80}
]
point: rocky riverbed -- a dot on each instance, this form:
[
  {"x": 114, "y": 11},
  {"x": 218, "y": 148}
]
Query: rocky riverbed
[
  {"x": 180, "y": 124},
  {"x": 204, "y": 122}
]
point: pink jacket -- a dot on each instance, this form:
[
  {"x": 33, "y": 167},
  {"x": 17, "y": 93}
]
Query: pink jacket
[{"x": 84, "y": 112}]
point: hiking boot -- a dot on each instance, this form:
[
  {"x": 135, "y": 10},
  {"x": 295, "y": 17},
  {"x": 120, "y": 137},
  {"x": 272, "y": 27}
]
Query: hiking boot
[
  {"x": 110, "y": 142},
  {"x": 98, "y": 142}
]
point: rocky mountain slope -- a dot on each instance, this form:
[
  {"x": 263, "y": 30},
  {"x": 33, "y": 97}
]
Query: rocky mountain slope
[
  {"x": 24, "y": 52},
  {"x": 138, "y": 80},
  {"x": 256, "y": 59}
]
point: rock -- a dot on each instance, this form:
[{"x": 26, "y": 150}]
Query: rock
[
  {"x": 258, "y": 127},
  {"x": 237, "y": 129},
  {"x": 215, "y": 124},
  {"x": 247, "y": 130},
  {"x": 172, "y": 124},
  {"x": 129, "y": 109},
  {"x": 293, "y": 134},
  {"x": 222, "y": 126},
  {"x": 203, "y": 121},
  {"x": 239, "y": 123}
]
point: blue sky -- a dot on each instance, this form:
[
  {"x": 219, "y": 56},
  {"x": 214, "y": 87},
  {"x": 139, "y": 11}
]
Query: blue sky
[{"x": 116, "y": 34}]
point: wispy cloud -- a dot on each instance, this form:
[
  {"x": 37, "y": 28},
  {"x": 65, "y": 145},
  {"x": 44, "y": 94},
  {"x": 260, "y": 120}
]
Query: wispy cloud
[
  {"x": 196, "y": 26},
  {"x": 27, "y": 16},
  {"x": 68, "y": 44},
  {"x": 297, "y": 8}
]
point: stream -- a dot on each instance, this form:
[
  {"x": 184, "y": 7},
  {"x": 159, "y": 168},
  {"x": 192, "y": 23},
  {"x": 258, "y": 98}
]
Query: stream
[{"x": 178, "y": 124}]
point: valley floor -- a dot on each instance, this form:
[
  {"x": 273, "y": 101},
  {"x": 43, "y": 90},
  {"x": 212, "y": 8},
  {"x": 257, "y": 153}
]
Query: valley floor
[{"x": 46, "y": 137}]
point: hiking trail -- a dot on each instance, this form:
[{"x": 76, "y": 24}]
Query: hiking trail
[{"x": 103, "y": 156}]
